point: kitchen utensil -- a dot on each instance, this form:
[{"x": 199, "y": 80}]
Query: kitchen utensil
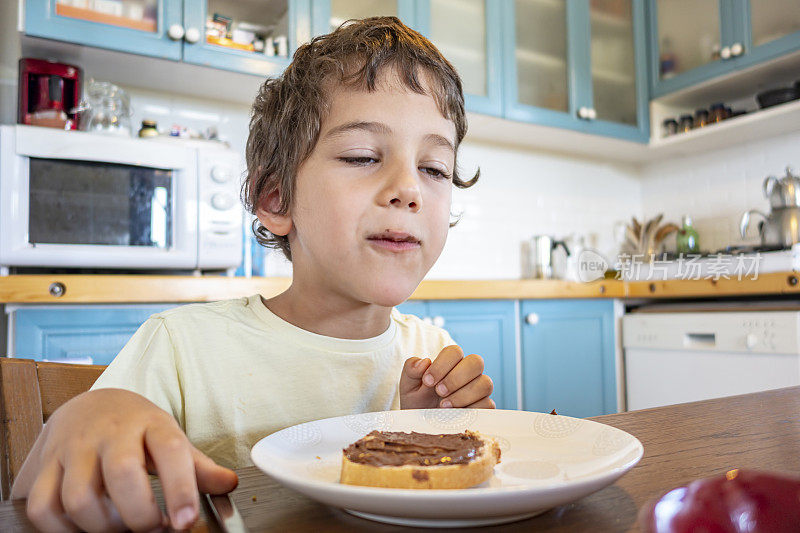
[
  {"x": 224, "y": 513},
  {"x": 646, "y": 239},
  {"x": 783, "y": 192},
  {"x": 547, "y": 460},
  {"x": 107, "y": 109},
  {"x": 48, "y": 91},
  {"x": 540, "y": 256},
  {"x": 776, "y": 96},
  {"x": 780, "y": 228}
]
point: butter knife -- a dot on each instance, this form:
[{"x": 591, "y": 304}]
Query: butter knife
[{"x": 225, "y": 513}]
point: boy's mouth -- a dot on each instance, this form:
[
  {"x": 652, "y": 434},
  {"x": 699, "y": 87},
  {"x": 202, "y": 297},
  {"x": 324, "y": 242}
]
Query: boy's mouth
[{"x": 396, "y": 241}]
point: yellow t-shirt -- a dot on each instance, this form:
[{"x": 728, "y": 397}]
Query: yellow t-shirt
[{"x": 232, "y": 372}]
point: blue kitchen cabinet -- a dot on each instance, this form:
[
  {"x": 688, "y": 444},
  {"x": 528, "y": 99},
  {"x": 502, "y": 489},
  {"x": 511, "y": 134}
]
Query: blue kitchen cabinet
[
  {"x": 142, "y": 32},
  {"x": 80, "y": 334},
  {"x": 175, "y": 29},
  {"x": 469, "y": 35},
  {"x": 568, "y": 357},
  {"x": 578, "y": 65},
  {"x": 483, "y": 327},
  {"x": 286, "y": 19},
  {"x": 694, "y": 41},
  {"x": 327, "y": 15}
]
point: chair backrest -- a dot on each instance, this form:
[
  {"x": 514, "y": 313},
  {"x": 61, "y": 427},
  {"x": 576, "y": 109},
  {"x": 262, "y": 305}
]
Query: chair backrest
[{"x": 30, "y": 391}]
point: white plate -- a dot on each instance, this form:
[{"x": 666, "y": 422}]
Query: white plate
[{"x": 547, "y": 460}]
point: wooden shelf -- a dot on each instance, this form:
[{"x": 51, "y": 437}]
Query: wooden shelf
[{"x": 91, "y": 15}]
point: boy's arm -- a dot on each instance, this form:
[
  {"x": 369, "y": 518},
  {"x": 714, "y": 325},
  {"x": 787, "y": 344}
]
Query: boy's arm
[{"x": 89, "y": 466}]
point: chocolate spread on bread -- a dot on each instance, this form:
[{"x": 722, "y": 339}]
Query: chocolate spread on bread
[{"x": 395, "y": 448}]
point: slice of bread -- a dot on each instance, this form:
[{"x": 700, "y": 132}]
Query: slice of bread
[{"x": 410, "y": 470}]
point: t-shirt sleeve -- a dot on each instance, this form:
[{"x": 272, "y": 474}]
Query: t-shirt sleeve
[{"x": 147, "y": 366}]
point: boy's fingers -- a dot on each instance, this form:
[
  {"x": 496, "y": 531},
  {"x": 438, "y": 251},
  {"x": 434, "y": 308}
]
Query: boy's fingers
[
  {"x": 83, "y": 496},
  {"x": 127, "y": 484},
  {"x": 465, "y": 370},
  {"x": 44, "y": 507},
  {"x": 477, "y": 389},
  {"x": 413, "y": 369},
  {"x": 485, "y": 403},
  {"x": 211, "y": 477},
  {"x": 447, "y": 359},
  {"x": 172, "y": 456}
]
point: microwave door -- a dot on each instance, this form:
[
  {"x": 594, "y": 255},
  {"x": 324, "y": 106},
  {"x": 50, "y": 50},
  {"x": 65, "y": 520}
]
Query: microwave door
[{"x": 112, "y": 210}]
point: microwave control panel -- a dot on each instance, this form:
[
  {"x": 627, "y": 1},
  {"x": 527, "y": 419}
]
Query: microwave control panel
[{"x": 220, "y": 210}]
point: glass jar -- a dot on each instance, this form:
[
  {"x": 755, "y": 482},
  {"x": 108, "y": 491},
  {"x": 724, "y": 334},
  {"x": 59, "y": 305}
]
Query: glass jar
[
  {"x": 149, "y": 128},
  {"x": 700, "y": 118},
  {"x": 716, "y": 113},
  {"x": 686, "y": 123},
  {"x": 670, "y": 126}
]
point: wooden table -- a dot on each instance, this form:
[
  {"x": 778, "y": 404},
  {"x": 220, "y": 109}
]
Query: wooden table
[{"x": 681, "y": 443}]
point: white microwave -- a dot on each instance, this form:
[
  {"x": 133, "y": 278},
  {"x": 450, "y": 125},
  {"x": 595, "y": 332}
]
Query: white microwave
[{"x": 86, "y": 200}]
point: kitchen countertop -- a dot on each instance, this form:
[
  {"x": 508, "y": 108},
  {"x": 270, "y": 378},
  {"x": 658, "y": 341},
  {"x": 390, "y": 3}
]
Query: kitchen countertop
[
  {"x": 681, "y": 443},
  {"x": 40, "y": 288}
]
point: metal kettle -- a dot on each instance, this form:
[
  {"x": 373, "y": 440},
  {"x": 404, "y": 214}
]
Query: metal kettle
[
  {"x": 538, "y": 256},
  {"x": 781, "y": 227},
  {"x": 783, "y": 192}
]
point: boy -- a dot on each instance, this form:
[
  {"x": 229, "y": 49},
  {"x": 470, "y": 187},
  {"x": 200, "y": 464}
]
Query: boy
[{"x": 351, "y": 163}]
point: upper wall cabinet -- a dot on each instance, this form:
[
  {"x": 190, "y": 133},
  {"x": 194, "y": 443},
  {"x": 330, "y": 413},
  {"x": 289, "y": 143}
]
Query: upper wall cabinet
[
  {"x": 138, "y": 27},
  {"x": 328, "y": 15},
  {"x": 250, "y": 36},
  {"x": 467, "y": 32},
  {"x": 696, "y": 40},
  {"x": 577, "y": 64}
]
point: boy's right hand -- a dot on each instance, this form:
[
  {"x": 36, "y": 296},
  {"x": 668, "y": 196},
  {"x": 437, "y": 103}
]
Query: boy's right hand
[{"x": 88, "y": 469}]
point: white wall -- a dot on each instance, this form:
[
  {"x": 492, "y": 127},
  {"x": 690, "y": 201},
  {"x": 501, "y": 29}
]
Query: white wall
[{"x": 716, "y": 188}]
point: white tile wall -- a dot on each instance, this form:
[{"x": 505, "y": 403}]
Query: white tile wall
[{"x": 716, "y": 188}]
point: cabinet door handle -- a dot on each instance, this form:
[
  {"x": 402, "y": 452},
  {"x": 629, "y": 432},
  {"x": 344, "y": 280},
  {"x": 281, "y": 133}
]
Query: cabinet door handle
[
  {"x": 584, "y": 112},
  {"x": 427, "y": 320},
  {"x": 592, "y": 113},
  {"x": 192, "y": 35},
  {"x": 532, "y": 319},
  {"x": 725, "y": 53},
  {"x": 737, "y": 49},
  {"x": 438, "y": 321},
  {"x": 175, "y": 32}
]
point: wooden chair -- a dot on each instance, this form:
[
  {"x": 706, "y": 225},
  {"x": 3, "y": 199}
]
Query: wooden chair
[{"x": 29, "y": 393}]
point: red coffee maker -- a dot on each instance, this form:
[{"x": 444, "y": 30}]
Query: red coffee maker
[{"x": 48, "y": 92}]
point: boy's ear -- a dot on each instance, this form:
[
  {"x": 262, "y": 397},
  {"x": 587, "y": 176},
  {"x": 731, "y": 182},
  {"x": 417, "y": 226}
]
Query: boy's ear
[{"x": 270, "y": 218}]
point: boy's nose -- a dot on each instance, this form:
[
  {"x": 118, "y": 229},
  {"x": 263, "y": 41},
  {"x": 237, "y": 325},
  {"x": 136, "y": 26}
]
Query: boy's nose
[{"x": 403, "y": 191}]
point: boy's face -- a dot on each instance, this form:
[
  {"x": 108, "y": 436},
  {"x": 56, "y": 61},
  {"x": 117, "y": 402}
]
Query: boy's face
[{"x": 371, "y": 209}]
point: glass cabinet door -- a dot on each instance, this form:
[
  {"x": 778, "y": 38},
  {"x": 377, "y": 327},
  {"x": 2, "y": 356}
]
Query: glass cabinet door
[
  {"x": 467, "y": 33},
  {"x": 613, "y": 62},
  {"x": 136, "y": 26},
  {"x": 251, "y": 36},
  {"x": 540, "y": 54},
  {"x": 327, "y": 15},
  {"x": 689, "y": 35},
  {"x": 135, "y": 14},
  {"x": 343, "y": 10},
  {"x": 771, "y": 20}
]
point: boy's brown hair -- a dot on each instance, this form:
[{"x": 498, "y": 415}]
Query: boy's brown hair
[{"x": 288, "y": 110}]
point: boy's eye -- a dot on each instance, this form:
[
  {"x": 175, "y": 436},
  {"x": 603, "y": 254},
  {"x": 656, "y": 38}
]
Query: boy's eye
[
  {"x": 358, "y": 160},
  {"x": 435, "y": 172}
]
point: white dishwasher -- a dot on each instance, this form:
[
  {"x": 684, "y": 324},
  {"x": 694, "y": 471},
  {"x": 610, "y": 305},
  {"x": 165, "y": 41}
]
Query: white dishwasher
[{"x": 676, "y": 357}]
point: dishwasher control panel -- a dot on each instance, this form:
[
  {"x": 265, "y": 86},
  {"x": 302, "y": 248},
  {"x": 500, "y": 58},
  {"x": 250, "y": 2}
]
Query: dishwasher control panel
[{"x": 755, "y": 332}]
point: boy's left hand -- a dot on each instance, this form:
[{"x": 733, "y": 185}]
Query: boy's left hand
[{"x": 451, "y": 380}]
